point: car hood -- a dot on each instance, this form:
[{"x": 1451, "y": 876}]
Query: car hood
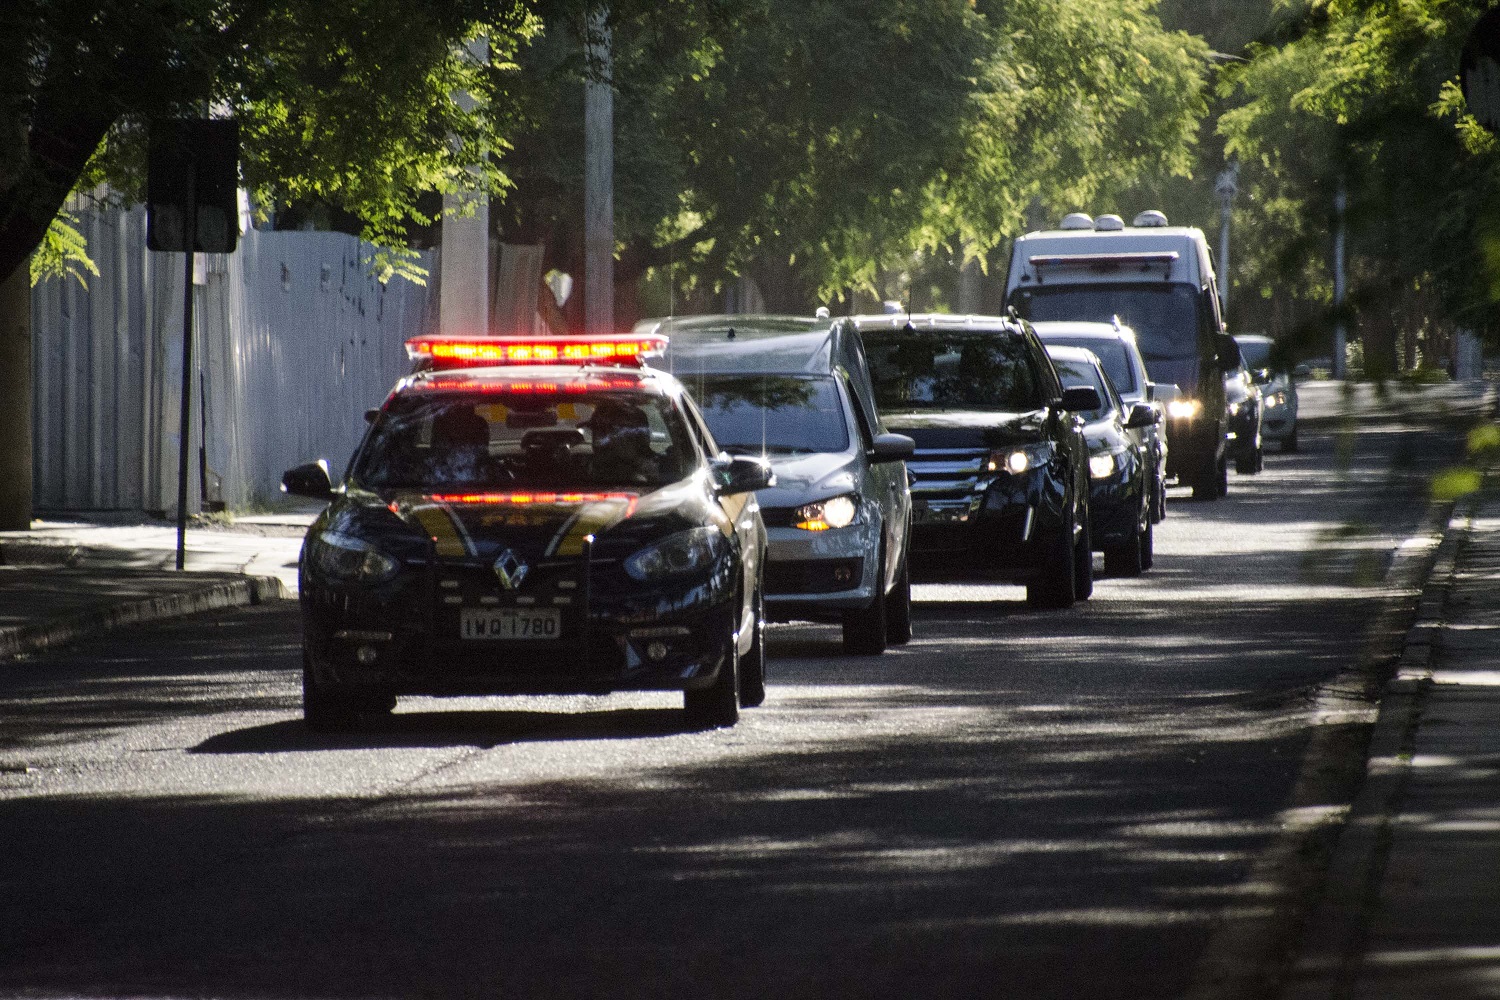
[
  {"x": 967, "y": 428},
  {"x": 1105, "y": 436},
  {"x": 533, "y": 524},
  {"x": 801, "y": 479}
]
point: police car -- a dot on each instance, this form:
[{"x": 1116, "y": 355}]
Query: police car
[{"x": 529, "y": 516}]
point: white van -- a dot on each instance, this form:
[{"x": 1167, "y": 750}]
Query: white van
[{"x": 1159, "y": 280}]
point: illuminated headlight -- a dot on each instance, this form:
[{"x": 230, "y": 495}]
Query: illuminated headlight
[
  {"x": 342, "y": 557},
  {"x": 1019, "y": 460},
  {"x": 686, "y": 552},
  {"x": 835, "y": 512},
  {"x": 1102, "y": 466},
  {"x": 1184, "y": 409},
  {"x": 1275, "y": 399}
]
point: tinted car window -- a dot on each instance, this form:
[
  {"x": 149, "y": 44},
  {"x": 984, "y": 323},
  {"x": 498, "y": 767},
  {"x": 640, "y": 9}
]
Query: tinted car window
[
  {"x": 1111, "y": 354},
  {"x": 1164, "y": 317},
  {"x": 588, "y": 440},
  {"x": 1077, "y": 373},
  {"x": 953, "y": 370},
  {"x": 789, "y": 413},
  {"x": 1257, "y": 353}
]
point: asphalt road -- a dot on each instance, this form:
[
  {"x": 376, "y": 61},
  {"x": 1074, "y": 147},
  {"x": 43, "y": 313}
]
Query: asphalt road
[{"x": 1053, "y": 804}]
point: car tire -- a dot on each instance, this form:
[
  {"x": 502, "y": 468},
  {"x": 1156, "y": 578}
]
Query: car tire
[
  {"x": 1206, "y": 484},
  {"x": 1083, "y": 563},
  {"x": 865, "y": 628},
  {"x": 753, "y": 663},
  {"x": 718, "y": 706},
  {"x": 898, "y": 609},
  {"x": 1148, "y": 546},
  {"x": 1054, "y": 582},
  {"x": 1221, "y": 480},
  {"x": 329, "y": 709},
  {"x": 1289, "y": 443},
  {"x": 1126, "y": 559},
  {"x": 1159, "y": 500}
]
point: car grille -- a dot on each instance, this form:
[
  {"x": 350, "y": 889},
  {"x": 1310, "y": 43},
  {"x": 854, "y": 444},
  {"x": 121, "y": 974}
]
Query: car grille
[
  {"x": 947, "y": 473},
  {"x": 813, "y": 576}
]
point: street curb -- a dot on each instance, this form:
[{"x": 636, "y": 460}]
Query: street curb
[
  {"x": 38, "y": 636},
  {"x": 1330, "y": 957}
]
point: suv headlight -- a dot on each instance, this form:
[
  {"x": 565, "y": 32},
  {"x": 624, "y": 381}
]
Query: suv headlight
[
  {"x": 835, "y": 512},
  {"x": 347, "y": 559},
  {"x": 1104, "y": 466},
  {"x": 686, "y": 552},
  {"x": 1019, "y": 460},
  {"x": 1183, "y": 409}
]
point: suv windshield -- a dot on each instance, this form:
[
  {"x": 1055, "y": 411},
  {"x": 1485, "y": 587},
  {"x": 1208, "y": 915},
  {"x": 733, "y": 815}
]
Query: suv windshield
[
  {"x": 1111, "y": 354},
  {"x": 953, "y": 370},
  {"x": 788, "y": 413},
  {"x": 1164, "y": 316},
  {"x": 525, "y": 440}
]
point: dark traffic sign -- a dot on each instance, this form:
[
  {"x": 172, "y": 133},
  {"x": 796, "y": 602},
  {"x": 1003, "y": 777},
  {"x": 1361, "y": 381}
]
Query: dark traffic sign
[
  {"x": 1479, "y": 71},
  {"x": 198, "y": 161}
]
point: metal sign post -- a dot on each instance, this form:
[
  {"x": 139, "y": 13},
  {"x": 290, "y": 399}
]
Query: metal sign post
[{"x": 184, "y": 425}]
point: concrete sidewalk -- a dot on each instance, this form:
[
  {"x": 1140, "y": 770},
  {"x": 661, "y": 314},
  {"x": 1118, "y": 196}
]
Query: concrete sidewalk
[
  {"x": 1412, "y": 903},
  {"x": 66, "y": 579}
]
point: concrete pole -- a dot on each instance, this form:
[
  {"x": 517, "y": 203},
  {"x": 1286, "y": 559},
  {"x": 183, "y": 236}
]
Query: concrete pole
[
  {"x": 1340, "y": 329},
  {"x": 598, "y": 178},
  {"x": 464, "y": 263},
  {"x": 15, "y": 400},
  {"x": 1227, "y": 186}
]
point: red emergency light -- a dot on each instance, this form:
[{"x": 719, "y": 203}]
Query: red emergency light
[
  {"x": 458, "y": 352},
  {"x": 545, "y": 499}
]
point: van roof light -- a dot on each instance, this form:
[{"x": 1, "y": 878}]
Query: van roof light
[
  {"x": 1108, "y": 224},
  {"x": 460, "y": 352},
  {"x": 1077, "y": 220},
  {"x": 1150, "y": 219}
]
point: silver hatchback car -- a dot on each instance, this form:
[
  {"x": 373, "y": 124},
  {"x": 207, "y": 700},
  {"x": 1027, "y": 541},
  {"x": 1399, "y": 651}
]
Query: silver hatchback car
[
  {"x": 838, "y": 518},
  {"x": 1278, "y": 391}
]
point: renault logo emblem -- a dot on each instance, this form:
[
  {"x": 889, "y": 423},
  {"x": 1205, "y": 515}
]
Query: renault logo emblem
[{"x": 510, "y": 570}]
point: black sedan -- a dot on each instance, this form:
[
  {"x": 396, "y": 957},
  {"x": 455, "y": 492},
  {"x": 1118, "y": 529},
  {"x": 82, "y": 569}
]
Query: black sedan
[
  {"x": 540, "y": 530},
  {"x": 1001, "y": 466},
  {"x": 1119, "y": 467}
]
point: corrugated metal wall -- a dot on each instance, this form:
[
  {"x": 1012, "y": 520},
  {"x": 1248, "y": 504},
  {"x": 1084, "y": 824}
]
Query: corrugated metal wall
[{"x": 293, "y": 342}]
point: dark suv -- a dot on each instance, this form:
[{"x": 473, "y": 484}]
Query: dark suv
[{"x": 1000, "y": 475}]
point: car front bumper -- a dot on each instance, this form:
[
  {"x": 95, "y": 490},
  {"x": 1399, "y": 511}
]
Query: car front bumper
[{"x": 815, "y": 574}]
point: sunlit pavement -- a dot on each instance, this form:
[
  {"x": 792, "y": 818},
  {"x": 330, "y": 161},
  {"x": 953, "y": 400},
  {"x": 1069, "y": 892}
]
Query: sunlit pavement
[{"x": 1019, "y": 803}]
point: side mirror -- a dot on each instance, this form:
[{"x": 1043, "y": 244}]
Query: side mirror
[
  {"x": 892, "y": 448},
  {"x": 1142, "y": 415},
  {"x": 1262, "y": 376},
  {"x": 742, "y": 474},
  {"x": 1229, "y": 352},
  {"x": 310, "y": 480},
  {"x": 1164, "y": 392},
  {"x": 372, "y": 415},
  {"x": 1081, "y": 397}
]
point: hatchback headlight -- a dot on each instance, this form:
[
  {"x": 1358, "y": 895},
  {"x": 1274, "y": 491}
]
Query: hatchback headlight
[
  {"x": 686, "y": 552},
  {"x": 1184, "y": 409},
  {"x": 347, "y": 559},
  {"x": 1102, "y": 466},
  {"x": 835, "y": 512}
]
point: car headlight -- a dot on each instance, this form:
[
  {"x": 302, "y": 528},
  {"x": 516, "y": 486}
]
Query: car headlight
[
  {"x": 1184, "y": 409},
  {"x": 835, "y": 512},
  {"x": 345, "y": 558},
  {"x": 1019, "y": 460},
  {"x": 1275, "y": 399},
  {"x": 686, "y": 552},
  {"x": 1102, "y": 466}
]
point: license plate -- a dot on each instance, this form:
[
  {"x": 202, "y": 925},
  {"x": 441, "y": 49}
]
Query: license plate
[{"x": 486, "y": 623}]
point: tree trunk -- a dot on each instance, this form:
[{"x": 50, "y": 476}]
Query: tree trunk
[{"x": 15, "y": 401}]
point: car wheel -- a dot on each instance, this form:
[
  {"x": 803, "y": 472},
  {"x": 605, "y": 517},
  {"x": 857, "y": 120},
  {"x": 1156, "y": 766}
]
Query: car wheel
[
  {"x": 1222, "y": 479},
  {"x": 1244, "y": 465},
  {"x": 326, "y": 708},
  {"x": 1289, "y": 443},
  {"x": 718, "y": 706},
  {"x": 1053, "y": 584},
  {"x": 753, "y": 664},
  {"x": 1127, "y": 558},
  {"x": 1148, "y": 546},
  {"x": 865, "y": 628},
  {"x": 1083, "y": 563},
  {"x": 1206, "y": 483},
  {"x": 1159, "y": 500},
  {"x": 898, "y": 609}
]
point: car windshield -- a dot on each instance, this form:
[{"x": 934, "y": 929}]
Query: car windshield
[
  {"x": 1164, "y": 317},
  {"x": 1257, "y": 353},
  {"x": 1112, "y": 354},
  {"x": 1081, "y": 373},
  {"x": 953, "y": 370},
  {"x": 786, "y": 413},
  {"x": 435, "y": 441}
]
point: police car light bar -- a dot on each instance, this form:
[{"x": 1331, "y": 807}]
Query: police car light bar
[{"x": 455, "y": 352}]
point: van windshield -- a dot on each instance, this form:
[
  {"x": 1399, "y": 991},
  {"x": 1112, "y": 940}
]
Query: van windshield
[{"x": 1164, "y": 317}]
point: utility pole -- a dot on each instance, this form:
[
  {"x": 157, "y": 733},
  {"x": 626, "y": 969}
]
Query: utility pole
[
  {"x": 1227, "y": 186},
  {"x": 598, "y": 177},
  {"x": 1340, "y": 330},
  {"x": 15, "y": 400},
  {"x": 464, "y": 264}
]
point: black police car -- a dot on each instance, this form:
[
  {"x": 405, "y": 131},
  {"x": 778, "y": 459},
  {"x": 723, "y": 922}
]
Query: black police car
[
  {"x": 1001, "y": 467},
  {"x": 1120, "y": 468},
  {"x": 562, "y": 523}
]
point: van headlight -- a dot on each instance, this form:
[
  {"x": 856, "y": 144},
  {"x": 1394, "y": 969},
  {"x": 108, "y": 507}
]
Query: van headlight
[
  {"x": 346, "y": 559},
  {"x": 1184, "y": 409},
  {"x": 686, "y": 552},
  {"x": 835, "y": 512}
]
